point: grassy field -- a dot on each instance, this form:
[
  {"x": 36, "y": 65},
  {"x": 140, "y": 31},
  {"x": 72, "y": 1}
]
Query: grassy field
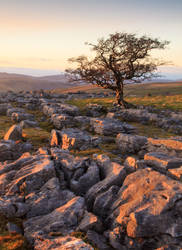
[
  {"x": 173, "y": 102},
  {"x": 141, "y": 89}
]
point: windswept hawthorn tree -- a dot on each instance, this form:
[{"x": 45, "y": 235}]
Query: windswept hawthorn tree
[{"x": 120, "y": 59}]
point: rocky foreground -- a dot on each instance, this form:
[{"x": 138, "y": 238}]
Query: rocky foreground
[{"x": 71, "y": 202}]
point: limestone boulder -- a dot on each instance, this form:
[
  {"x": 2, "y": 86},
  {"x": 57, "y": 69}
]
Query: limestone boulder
[
  {"x": 171, "y": 147},
  {"x": 148, "y": 206},
  {"x": 11, "y": 150},
  {"x": 14, "y": 110},
  {"x": 115, "y": 176},
  {"x": 28, "y": 124},
  {"x": 85, "y": 178},
  {"x": 106, "y": 126},
  {"x": 31, "y": 177},
  {"x": 61, "y": 121},
  {"x": 63, "y": 219},
  {"x": 19, "y": 116},
  {"x": 49, "y": 197},
  {"x": 162, "y": 162},
  {"x": 55, "y": 139},
  {"x": 130, "y": 143},
  {"x": 4, "y": 107},
  {"x": 90, "y": 222},
  {"x": 14, "y": 133},
  {"x": 75, "y": 139},
  {"x": 62, "y": 243}
]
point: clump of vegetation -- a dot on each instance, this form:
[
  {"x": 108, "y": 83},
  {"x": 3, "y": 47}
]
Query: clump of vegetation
[
  {"x": 151, "y": 131},
  {"x": 11, "y": 241},
  {"x": 83, "y": 236},
  {"x": 5, "y": 124}
]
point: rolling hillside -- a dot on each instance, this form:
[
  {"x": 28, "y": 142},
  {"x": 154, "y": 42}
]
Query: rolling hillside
[{"x": 17, "y": 82}]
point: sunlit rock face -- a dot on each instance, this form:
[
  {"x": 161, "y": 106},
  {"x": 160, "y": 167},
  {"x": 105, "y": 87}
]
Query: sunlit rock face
[
  {"x": 130, "y": 143},
  {"x": 108, "y": 126},
  {"x": 172, "y": 147},
  {"x": 14, "y": 133},
  {"x": 75, "y": 139},
  {"x": 64, "y": 243},
  {"x": 149, "y": 205},
  {"x": 63, "y": 219}
]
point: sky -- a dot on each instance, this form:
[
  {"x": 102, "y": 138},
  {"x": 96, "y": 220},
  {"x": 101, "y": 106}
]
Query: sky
[{"x": 38, "y": 36}]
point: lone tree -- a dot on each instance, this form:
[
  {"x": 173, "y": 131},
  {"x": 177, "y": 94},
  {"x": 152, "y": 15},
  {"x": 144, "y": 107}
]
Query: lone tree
[{"x": 120, "y": 59}]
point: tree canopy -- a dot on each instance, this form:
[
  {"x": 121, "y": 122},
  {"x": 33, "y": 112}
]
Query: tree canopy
[{"x": 120, "y": 59}]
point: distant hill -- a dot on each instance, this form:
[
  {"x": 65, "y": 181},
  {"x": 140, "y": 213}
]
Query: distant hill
[{"x": 17, "y": 82}]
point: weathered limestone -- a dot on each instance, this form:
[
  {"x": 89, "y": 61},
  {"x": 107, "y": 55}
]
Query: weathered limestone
[
  {"x": 90, "y": 222},
  {"x": 115, "y": 176},
  {"x": 18, "y": 117},
  {"x": 94, "y": 110},
  {"x": 14, "y": 133},
  {"x": 63, "y": 219},
  {"x": 11, "y": 150},
  {"x": 4, "y": 107},
  {"x": 75, "y": 139},
  {"x": 172, "y": 146},
  {"x": 28, "y": 124},
  {"x": 110, "y": 126},
  {"x": 55, "y": 139},
  {"x": 162, "y": 162},
  {"x": 85, "y": 178},
  {"x": 61, "y": 121},
  {"x": 61, "y": 242},
  {"x": 130, "y": 143},
  {"x": 47, "y": 199},
  {"x": 31, "y": 177},
  {"x": 149, "y": 205}
]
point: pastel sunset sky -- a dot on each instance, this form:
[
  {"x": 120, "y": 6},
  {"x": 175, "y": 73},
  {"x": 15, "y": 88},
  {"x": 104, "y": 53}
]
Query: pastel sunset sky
[{"x": 42, "y": 34}]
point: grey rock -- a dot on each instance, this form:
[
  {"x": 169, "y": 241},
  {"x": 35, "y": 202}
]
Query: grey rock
[
  {"x": 28, "y": 124},
  {"x": 14, "y": 133},
  {"x": 64, "y": 219},
  {"x": 18, "y": 117},
  {"x": 80, "y": 183},
  {"x": 61, "y": 243},
  {"x": 148, "y": 205},
  {"x": 13, "y": 228},
  {"x": 161, "y": 162},
  {"x": 130, "y": 143},
  {"x": 55, "y": 139},
  {"x": 104, "y": 201},
  {"x": 47, "y": 199},
  {"x": 116, "y": 177},
  {"x": 31, "y": 177},
  {"x": 75, "y": 139},
  {"x": 90, "y": 222},
  {"x": 98, "y": 240}
]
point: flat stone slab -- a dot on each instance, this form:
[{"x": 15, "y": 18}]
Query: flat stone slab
[
  {"x": 162, "y": 161},
  {"x": 108, "y": 126}
]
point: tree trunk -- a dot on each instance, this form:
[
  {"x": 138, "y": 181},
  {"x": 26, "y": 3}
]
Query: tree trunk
[{"x": 120, "y": 99}]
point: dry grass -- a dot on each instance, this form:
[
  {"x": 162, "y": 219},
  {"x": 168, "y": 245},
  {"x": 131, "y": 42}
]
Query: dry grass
[
  {"x": 5, "y": 124},
  {"x": 173, "y": 102},
  {"x": 151, "y": 131},
  {"x": 10, "y": 241}
]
